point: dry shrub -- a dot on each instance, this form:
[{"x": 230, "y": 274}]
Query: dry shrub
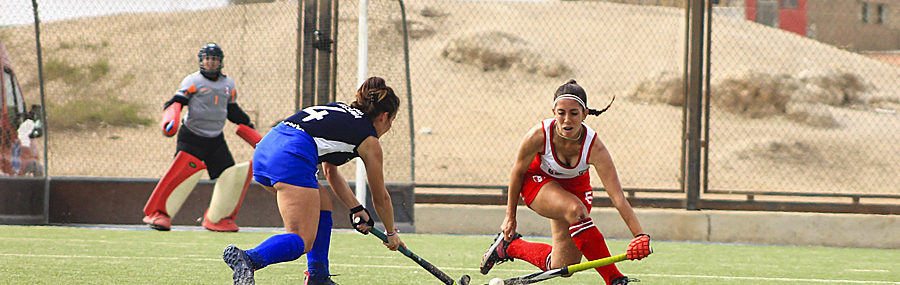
[
  {"x": 813, "y": 114},
  {"x": 787, "y": 152},
  {"x": 884, "y": 102},
  {"x": 494, "y": 50},
  {"x": 664, "y": 87},
  {"x": 833, "y": 88},
  {"x": 754, "y": 94},
  {"x": 432, "y": 12},
  {"x": 806, "y": 99}
]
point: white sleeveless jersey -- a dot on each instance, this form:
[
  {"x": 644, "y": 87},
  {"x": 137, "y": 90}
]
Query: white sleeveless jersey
[{"x": 551, "y": 166}]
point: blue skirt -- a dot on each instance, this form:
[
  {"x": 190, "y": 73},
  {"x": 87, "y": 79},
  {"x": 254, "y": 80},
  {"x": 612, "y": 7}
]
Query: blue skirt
[{"x": 286, "y": 155}]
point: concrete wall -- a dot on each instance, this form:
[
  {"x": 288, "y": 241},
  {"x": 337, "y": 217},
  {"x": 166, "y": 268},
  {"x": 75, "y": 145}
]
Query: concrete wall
[
  {"x": 120, "y": 201},
  {"x": 75, "y": 200},
  {"x": 777, "y": 228}
]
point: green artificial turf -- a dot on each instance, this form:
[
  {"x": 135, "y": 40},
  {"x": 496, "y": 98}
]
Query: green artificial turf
[{"x": 137, "y": 255}]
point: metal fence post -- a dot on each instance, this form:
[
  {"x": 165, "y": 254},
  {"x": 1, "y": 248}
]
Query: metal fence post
[
  {"x": 693, "y": 101},
  {"x": 322, "y": 43},
  {"x": 308, "y": 55},
  {"x": 46, "y": 125}
]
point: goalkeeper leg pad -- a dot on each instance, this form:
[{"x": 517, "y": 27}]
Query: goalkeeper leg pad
[
  {"x": 228, "y": 193},
  {"x": 172, "y": 190}
]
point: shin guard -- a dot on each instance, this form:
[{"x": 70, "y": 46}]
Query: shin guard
[
  {"x": 228, "y": 193},
  {"x": 317, "y": 257},
  {"x": 175, "y": 185},
  {"x": 590, "y": 242},
  {"x": 277, "y": 249},
  {"x": 538, "y": 254}
]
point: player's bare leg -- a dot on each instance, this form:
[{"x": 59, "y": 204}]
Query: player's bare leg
[
  {"x": 564, "y": 252},
  {"x": 298, "y": 206},
  {"x": 564, "y": 207}
]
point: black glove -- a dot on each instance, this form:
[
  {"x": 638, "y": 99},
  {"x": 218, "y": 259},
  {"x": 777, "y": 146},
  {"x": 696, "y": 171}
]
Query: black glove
[{"x": 370, "y": 222}]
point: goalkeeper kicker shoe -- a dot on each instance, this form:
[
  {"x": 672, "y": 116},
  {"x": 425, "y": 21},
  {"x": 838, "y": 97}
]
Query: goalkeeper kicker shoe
[
  {"x": 226, "y": 224},
  {"x": 240, "y": 262},
  {"x": 158, "y": 221},
  {"x": 309, "y": 280},
  {"x": 496, "y": 253}
]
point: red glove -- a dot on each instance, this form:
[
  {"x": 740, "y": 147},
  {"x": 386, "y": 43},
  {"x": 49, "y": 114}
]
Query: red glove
[
  {"x": 171, "y": 117},
  {"x": 639, "y": 247}
]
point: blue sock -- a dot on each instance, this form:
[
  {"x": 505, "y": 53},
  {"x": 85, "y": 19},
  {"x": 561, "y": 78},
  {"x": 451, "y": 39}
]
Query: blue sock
[
  {"x": 317, "y": 258},
  {"x": 275, "y": 249}
]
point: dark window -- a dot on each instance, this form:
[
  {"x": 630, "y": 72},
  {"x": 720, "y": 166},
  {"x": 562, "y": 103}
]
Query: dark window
[
  {"x": 865, "y": 12},
  {"x": 789, "y": 4},
  {"x": 879, "y": 17}
]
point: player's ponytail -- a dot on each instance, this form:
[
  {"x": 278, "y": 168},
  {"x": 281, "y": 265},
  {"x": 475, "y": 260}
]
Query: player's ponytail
[
  {"x": 596, "y": 112},
  {"x": 374, "y": 97}
]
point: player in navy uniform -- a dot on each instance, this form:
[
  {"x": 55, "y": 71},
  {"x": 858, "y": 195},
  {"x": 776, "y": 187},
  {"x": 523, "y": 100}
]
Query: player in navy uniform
[
  {"x": 551, "y": 176},
  {"x": 211, "y": 99},
  {"x": 285, "y": 163}
]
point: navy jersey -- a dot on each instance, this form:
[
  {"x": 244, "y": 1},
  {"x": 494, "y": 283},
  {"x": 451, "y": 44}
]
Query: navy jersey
[{"x": 337, "y": 129}]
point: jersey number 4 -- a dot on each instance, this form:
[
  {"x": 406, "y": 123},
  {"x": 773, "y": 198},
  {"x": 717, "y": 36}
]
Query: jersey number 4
[{"x": 319, "y": 112}]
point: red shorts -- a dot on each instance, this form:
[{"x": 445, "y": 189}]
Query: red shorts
[{"x": 579, "y": 186}]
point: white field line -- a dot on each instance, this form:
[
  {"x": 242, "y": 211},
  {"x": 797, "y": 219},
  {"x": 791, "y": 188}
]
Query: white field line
[
  {"x": 56, "y": 240},
  {"x": 407, "y": 267},
  {"x": 767, "y": 279}
]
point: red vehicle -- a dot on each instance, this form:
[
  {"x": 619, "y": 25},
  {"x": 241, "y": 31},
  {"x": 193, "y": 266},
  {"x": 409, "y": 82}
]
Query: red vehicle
[{"x": 19, "y": 154}]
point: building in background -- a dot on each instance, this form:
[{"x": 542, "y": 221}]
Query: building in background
[{"x": 859, "y": 25}]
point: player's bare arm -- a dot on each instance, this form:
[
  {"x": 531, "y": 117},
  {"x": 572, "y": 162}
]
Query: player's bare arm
[
  {"x": 531, "y": 144},
  {"x": 342, "y": 190},
  {"x": 372, "y": 156},
  {"x": 606, "y": 170}
]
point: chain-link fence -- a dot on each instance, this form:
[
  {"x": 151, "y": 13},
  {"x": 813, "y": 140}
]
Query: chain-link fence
[
  {"x": 789, "y": 112},
  {"x": 795, "y": 109}
]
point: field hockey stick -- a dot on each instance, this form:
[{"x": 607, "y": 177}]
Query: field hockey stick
[
  {"x": 464, "y": 280},
  {"x": 541, "y": 276}
]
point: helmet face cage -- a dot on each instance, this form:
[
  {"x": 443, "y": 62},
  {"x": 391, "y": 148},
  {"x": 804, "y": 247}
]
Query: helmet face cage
[{"x": 211, "y": 51}]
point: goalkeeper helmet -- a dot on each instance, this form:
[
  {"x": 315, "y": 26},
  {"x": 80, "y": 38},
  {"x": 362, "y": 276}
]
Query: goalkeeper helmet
[{"x": 211, "y": 60}]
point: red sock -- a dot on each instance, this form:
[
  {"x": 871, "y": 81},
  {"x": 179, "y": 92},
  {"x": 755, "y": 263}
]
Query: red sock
[
  {"x": 590, "y": 241},
  {"x": 532, "y": 252}
]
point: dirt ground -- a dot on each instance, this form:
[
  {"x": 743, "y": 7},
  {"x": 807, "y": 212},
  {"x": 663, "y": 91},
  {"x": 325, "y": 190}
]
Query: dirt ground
[{"x": 475, "y": 98}]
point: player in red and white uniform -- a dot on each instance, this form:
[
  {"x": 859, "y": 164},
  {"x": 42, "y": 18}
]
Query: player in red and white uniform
[{"x": 551, "y": 175}]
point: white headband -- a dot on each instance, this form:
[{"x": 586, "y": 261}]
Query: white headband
[{"x": 570, "y": 96}]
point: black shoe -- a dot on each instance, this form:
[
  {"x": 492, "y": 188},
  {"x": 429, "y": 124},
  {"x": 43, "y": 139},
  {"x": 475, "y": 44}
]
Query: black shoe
[
  {"x": 496, "y": 254},
  {"x": 240, "y": 262},
  {"x": 315, "y": 281},
  {"x": 623, "y": 280}
]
